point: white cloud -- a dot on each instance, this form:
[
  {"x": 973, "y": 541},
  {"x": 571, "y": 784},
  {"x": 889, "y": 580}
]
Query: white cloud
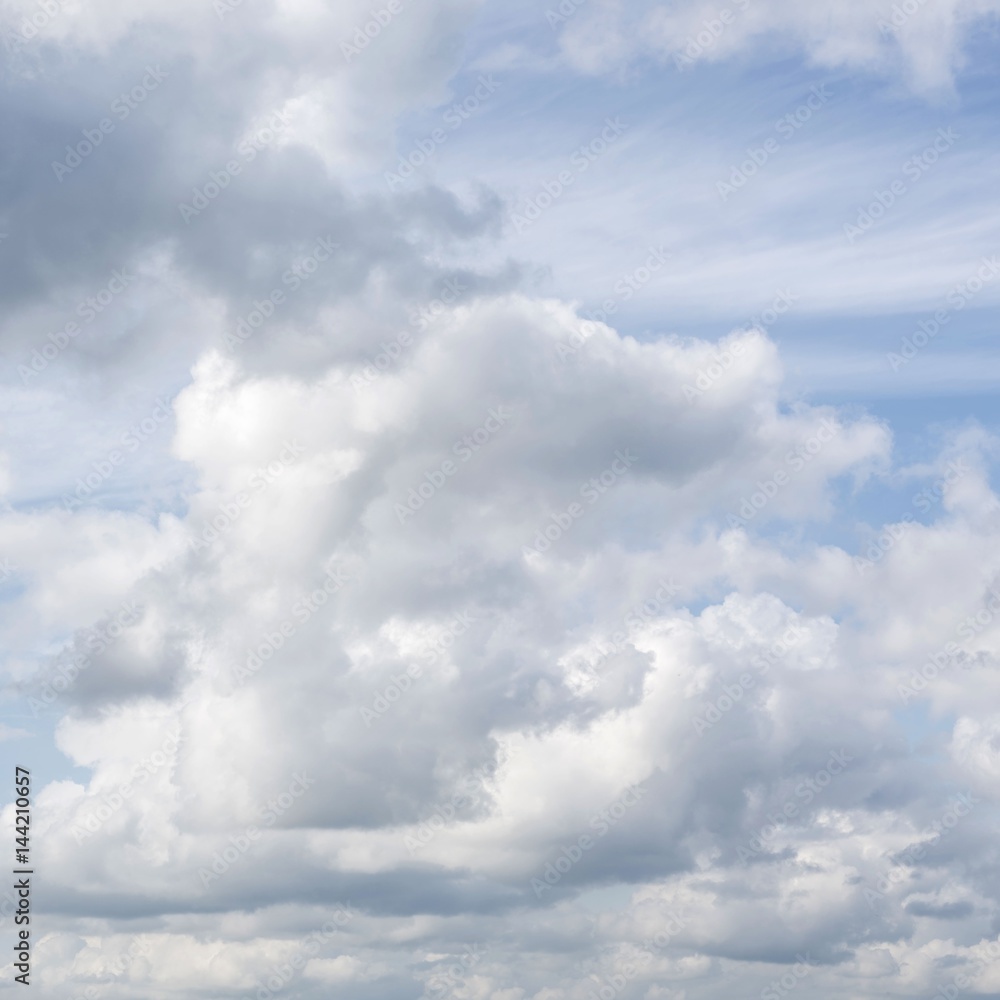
[
  {"x": 920, "y": 40},
  {"x": 722, "y": 716}
]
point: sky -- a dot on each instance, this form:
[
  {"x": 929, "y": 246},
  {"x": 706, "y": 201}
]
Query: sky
[{"x": 498, "y": 501}]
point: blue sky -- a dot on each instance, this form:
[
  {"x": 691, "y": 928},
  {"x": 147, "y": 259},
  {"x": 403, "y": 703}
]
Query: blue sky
[{"x": 784, "y": 229}]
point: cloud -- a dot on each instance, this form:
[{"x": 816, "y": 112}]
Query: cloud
[
  {"x": 407, "y": 628},
  {"x": 920, "y": 42},
  {"x": 328, "y": 632}
]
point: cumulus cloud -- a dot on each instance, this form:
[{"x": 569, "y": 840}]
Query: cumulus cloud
[{"x": 417, "y": 698}]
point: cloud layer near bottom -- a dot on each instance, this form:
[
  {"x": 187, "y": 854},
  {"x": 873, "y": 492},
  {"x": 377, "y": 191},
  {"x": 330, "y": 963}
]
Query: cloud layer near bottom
[{"x": 514, "y": 671}]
